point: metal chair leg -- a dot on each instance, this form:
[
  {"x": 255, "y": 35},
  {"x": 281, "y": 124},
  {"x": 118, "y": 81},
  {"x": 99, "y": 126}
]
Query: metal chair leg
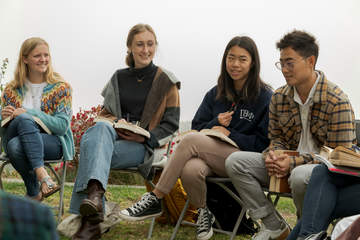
[
  {"x": 237, "y": 224},
  {"x": 173, "y": 235},
  {"x": 61, "y": 202},
  {"x": 151, "y": 228},
  {"x": 3, "y": 164}
]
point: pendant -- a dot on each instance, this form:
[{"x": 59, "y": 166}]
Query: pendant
[{"x": 140, "y": 78}]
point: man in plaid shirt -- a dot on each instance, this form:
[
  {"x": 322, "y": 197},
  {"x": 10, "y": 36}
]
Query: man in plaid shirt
[
  {"x": 307, "y": 113},
  {"x": 22, "y": 219}
]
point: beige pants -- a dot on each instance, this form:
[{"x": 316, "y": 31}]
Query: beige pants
[{"x": 196, "y": 157}]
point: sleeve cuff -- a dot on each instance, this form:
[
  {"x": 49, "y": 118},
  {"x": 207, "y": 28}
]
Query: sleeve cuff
[
  {"x": 292, "y": 163},
  {"x": 152, "y": 141}
]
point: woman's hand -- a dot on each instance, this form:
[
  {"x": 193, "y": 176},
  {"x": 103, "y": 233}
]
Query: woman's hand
[
  {"x": 7, "y": 111},
  {"x": 18, "y": 111},
  {"x": 225, "y": 118},
  {"x": 130, "y": 136},
  {"x": 221, "y": 129}
]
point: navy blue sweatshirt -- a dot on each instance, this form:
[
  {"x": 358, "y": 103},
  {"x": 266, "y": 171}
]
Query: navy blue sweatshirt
[{"x": 249, "y": 124}]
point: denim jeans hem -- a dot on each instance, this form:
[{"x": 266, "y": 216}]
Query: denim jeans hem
[
  {"x": 38, "y": 166},
  {"x": 81, "y": 187}
]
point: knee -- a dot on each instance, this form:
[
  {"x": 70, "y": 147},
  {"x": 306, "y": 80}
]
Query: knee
[
  {"x": 190, "y": 139},
  {"x": 97, "y": 131},
  {"x": 236, "y": 163},
  {"x": 190, "y": 172},
  {"x": 230, "y": 163},
  {"x": 24, "y": 116},
  {"x": 100, "y": 126},
  {"x": 297, "y": 181},
  {"x": 23, "y": 119},
  {"x": 14, "y": 149},
  {"x": 321, "y": 171}
]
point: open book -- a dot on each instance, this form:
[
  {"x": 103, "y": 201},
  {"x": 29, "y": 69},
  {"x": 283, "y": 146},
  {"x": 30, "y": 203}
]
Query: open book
[
  {"x": 6, "y": 121},
  {"x": 219, "y": 135},
  {"x": 340, "y": 160},
  {"x": 123, "y": 124},
  {"x": 281, "y": 185}
]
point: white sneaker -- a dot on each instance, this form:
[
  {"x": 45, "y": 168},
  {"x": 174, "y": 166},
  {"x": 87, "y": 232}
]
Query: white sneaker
[
  {"x": 317, "y": 236},
  {"x": 266, "y": 234}
]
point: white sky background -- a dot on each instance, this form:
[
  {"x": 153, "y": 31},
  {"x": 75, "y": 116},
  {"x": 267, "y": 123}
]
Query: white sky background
[{"x": 87, "y": 39}]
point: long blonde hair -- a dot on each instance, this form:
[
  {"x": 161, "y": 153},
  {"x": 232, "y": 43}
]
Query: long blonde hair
[
  {"x": 22, "y": 71},
  {"x": 138, "y": 28}
]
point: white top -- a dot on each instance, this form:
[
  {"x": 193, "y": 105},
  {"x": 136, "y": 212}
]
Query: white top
[
  {"x": 307, "y": 143},
  {"x": 32, "y": 98}
]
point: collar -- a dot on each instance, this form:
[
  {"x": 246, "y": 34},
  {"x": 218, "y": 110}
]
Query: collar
[
  {"x": 143, "y": 71},
  {"x": 320, "y": 93},
  {"x": 311, "y": 93}
]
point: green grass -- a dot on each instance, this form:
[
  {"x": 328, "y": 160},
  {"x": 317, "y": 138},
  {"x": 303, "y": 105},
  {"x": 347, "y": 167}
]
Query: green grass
[{"x": 125, "y": 196}]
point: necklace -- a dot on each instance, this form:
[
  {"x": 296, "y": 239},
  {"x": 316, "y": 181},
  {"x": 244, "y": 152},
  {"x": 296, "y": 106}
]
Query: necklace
[{"x": 140, "y": 78}]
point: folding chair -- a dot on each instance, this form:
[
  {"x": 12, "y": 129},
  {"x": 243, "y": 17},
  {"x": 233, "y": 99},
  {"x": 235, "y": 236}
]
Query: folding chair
[
  {"x": 156, "y": 166},
  {"x": 135, "y": 170},
  {"x": 220, "y": 181},
  {"x": 60, "y": 179}
]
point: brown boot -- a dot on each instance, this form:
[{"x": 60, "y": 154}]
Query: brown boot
[
  {"x": 87, "y": 230},
  {"x": 92, "y": 206}
]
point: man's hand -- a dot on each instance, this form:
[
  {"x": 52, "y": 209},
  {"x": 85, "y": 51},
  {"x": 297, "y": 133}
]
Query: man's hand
[
  {"x": 130, "y": 136},
  {"x": 221, "y": 129},
  {"x": 225, "y": 118},
  {"x": 282, "y": 165},
  {"x": 270, "y": 163},
  {"x": 7, "y": 111},
  {"x": 277, "y": 165}
]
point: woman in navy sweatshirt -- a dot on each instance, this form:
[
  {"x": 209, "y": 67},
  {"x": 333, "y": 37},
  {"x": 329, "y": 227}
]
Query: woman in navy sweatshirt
[{"x": 236, "y": 107}]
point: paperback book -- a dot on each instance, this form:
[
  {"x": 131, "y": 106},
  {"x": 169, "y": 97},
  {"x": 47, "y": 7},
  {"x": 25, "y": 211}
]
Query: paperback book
[
  {"x": 219, "y": 135},
  {"x": 340, "y": 160},
  {"x": 123, "y": 124}
]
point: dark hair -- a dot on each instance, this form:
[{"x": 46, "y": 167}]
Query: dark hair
[
  {"x": 138, "y": 28},
  {"x": 252, "y": 87},
  {"x": 302, "y": 42}
]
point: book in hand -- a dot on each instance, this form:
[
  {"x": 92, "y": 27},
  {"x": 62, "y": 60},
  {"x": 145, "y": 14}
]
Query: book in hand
[
  {"x": 123, "y": 124},
  {"x": 6, "y": 121},
  {"x": 281, "y": 185},
  {"x": 219, "y": 135},
  {"x": 340, "y": 160}
]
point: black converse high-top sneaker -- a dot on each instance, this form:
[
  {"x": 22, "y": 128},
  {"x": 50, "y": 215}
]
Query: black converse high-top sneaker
[
  {"x": 205, "y": 222},
  {"x": 149, "y": 206}
]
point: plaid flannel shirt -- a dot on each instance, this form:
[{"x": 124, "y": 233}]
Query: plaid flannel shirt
[
  {"x": 332, "y": 120},
  {"x": 22, "y": 219}
]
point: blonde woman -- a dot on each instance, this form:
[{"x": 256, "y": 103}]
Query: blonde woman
[{"x": 36, "y": 91}]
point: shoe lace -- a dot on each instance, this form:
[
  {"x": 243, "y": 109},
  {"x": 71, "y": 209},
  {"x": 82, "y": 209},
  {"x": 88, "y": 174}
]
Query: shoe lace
[
  {"x": 203, "y": 221},
  {"x": 143, "y": 203}
]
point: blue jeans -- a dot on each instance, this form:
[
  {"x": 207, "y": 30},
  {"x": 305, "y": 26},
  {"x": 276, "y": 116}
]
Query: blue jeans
[
  {"x": 101, "y": 149},
  {"x": 328, "y": 196},
  {"x": 27, "y": 147}
]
